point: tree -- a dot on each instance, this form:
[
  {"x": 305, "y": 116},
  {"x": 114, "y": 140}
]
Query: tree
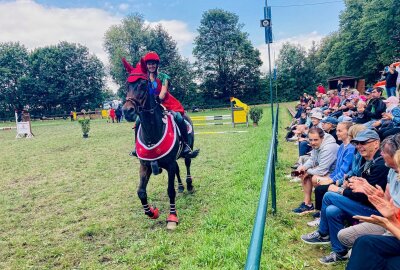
[
  {"x": 13, "y": 67},
  {"x": 64, "y": 77},
  {"x": 294, "y": 77},
  {"x": 227, "y": 63},
  {"x": 132, "y": 39}
]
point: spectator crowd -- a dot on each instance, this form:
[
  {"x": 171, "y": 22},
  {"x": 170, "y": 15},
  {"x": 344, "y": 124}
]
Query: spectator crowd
[{"x": 348, "y": 164}]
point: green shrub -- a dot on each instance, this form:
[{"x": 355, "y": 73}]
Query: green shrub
[
  {"x": 85, "y": 125},
  {"x": 256, "y": 114}
]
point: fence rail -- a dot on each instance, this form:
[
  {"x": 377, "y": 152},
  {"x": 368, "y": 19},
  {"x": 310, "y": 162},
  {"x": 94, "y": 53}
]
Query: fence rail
[{"x": 257, "y": 236}]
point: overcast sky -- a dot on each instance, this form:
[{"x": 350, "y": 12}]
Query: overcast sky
[{"x": 40, "y": 23}]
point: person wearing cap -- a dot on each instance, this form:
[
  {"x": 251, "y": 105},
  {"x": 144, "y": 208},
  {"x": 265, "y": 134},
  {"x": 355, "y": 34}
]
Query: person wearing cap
[
  {"x": 320, "y": 163},
  {"x": 158, "y": 85},
  {"x": 390, "y": 123},
  {"x": 391, "y": 155},
  {"x": 342, "y": 203},
  {"x": 376, "y": 107},
  {"x": 329, "y": 126}
]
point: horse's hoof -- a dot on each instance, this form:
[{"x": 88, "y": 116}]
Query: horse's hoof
[
  {"x": 155, "y": 212},
  {"x": 181, "y": 189},
  {"x": 172, "y": 222},
  {"x": 171, "y": 226}
]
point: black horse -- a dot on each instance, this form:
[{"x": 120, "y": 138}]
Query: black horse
[{"x": 154, "y": 122}]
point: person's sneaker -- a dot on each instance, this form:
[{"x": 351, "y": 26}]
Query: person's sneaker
[
  {"x": 315, "y": 238},
  {"x": 295, "y": 166},
  {"x": 314, "y": 223},
  {"x": 316, "y": 214},
  {"x": 292, "y": 139},
  {"x": 332, "y": 258},
  {"x": 303, "y": 209},
  {"x": 294, "y": 180}
]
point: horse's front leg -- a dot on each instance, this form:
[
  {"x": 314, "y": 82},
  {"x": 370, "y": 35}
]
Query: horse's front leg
[
  {"x": 172, "y": 220},
  {"x": 145, "y": 172}
]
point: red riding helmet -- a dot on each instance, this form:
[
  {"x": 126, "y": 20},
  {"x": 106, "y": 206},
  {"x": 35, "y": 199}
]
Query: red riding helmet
[{"x": 151, "y": 56}]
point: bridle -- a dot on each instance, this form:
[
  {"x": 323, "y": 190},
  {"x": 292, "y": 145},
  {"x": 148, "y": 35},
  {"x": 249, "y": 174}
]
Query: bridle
[{"x": 139, "y": 108}]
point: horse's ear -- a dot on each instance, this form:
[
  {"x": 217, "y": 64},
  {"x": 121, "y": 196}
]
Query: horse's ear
[{"x": 127, "y": 66}]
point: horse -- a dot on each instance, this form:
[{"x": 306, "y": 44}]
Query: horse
[{"x": 157, "y": 143}]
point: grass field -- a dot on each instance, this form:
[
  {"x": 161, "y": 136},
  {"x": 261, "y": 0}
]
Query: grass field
[{"x": 71, "y": 203}]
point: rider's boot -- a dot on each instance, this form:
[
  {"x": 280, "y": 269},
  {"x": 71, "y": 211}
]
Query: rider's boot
[{"x": 183, "y": 129}]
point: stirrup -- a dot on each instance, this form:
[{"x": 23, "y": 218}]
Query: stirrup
[{"x": 133, "y": 153}]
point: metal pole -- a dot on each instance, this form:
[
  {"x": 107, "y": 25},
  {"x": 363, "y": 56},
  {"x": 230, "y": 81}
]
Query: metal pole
[{"x": 269, "y": 64}]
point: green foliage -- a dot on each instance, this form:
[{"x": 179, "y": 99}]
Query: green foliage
[
  {"x": 52, "y": 79},
  {"x": 227, "y": 63},
  {"x": 256, "y": 114},
  {"x": 132, "y": 39},
  {"x": 13, "y": 68},
  {"x": 64, "y": 77},
  {"x": 85, "y": 125}
]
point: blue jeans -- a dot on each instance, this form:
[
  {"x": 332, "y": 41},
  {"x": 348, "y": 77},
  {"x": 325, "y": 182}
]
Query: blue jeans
[
  {"x": 371, "y": 252},
  {"x": 391, "y": 91},
  {"x": 304, "y": 148},
  {"x": 335, "y": 210}
]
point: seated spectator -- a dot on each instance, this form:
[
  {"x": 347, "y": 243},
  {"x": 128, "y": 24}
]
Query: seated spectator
[
  {"x": 356, "y": 164},
  {"x": 334, "y": 101},
  {"x": 321, "y": 162},
  {"x": 390, "y": 123},
  {"x": 319, "y": 102},
  {"x": 341, "y": 203},
  {"x": 389, "y": 147},
  {"x": 329, "y": 126},
  {"x": 304, "y": 146},
  {"x": 372, "y": 252},
  {"x": 344, "y": 160},
  {"x": 360, "y": 117},
  {"x": 376, "y": 107}
]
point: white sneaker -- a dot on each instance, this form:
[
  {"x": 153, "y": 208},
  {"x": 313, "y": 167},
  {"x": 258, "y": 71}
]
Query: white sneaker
[
  {"x": 292, "y": 139},
  {"x": 295, "y": 180},
  {"x": 314, "y": 223}
]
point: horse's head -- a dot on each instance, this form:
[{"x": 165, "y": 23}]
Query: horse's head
[
  {"x": 136, "y": 90},
  {"x": 138, "y": 99}
]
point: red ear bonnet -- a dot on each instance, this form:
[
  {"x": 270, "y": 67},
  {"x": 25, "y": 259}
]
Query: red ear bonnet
[{"x": 135, "y": 73}]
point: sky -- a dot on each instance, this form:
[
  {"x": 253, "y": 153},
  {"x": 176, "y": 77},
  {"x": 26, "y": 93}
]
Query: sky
[{"x": 42, "y": 22}]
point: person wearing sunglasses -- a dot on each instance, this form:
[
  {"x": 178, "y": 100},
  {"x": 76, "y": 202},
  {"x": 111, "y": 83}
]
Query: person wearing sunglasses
[{"x": 340, "y": 204}]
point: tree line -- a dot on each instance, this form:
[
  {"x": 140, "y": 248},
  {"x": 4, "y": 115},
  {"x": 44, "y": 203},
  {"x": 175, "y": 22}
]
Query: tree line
[{"x": 66, "y": 76}]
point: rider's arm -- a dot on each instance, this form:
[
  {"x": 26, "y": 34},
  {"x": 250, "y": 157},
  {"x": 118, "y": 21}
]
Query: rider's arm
[{"x": 164, "y": 90}]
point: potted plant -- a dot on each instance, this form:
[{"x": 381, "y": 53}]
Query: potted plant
[
  {"x": 255, "y": 115},
  {"x": 85, "y": 125}
]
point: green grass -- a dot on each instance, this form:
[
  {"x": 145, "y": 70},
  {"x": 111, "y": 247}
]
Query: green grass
[{"x": 71, "y": 203}]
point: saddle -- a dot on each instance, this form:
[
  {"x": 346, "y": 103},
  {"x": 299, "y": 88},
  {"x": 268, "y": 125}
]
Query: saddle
[{"x": 163, "y": 147}]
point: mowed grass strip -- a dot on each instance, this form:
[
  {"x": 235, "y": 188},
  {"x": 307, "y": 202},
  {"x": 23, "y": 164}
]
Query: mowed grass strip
[{"x": 68, "y": 202}]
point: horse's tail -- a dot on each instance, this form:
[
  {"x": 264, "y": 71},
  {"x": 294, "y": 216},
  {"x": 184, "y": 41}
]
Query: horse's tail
[{"x": 194, "y": 154}]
